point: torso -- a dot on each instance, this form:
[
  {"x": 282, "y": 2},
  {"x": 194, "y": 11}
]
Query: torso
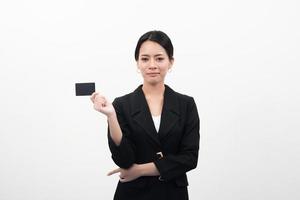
[
  {"x": 155, "y": 105},
  {"x": 154, "y": 97}
]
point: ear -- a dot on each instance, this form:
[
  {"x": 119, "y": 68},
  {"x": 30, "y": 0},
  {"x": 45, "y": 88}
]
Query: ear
[
  {"x": 137, "y": 65},
  {"x": 171, "y": 63},
  {"x": 138, "y": 68}
]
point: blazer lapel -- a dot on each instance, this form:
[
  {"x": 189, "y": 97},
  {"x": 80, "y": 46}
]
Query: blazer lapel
[
  {"x": 170, "y": 112},
  {"x": 142, "y": 115}
]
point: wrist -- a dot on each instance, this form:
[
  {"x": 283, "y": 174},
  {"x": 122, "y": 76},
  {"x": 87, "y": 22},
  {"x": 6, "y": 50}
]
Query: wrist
[
  {"x": 111, "y": 115},
  {"x": 141, "y": 169}
]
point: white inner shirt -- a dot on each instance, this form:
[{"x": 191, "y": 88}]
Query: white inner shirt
[{"x": 156, "y": 120}]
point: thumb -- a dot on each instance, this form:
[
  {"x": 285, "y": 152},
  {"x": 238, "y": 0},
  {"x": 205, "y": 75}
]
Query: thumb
[{"x": 114, "y": 171}]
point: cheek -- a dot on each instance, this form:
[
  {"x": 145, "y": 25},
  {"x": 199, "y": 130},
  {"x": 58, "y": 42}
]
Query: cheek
[
  {"x": 143, "y": 72},
  {"x": 164, "y": 67},
  {"x": 142, "y": 66},
  {"x": 163, "y": 74}
]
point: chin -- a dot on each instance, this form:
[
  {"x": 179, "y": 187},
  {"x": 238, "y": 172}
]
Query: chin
[{"x": 154, "y": 82}]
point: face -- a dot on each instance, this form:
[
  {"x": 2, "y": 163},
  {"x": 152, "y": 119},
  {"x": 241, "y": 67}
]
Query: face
[{"x": 153, "y": 62}]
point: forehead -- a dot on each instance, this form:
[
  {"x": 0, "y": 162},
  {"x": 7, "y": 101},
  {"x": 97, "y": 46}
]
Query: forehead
[{"x": 151, "y": 48}]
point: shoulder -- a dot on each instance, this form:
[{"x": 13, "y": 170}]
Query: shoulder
[
  {"x": 118, "y": 101},
  {"x": 184, "y": 97},
  {"x": 187, "y": 105},
  {"x": 181, "y": 97},
  {"x": 125, "y": 99}
]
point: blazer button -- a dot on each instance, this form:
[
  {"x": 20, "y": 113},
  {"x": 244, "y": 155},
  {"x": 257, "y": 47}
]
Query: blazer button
[
  {"x": 159, "y": 155},
  {"x": 160, "y": 178}
]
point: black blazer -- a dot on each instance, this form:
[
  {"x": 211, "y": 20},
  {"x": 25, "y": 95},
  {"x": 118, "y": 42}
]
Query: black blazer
[{"x": 177, "y": 139}]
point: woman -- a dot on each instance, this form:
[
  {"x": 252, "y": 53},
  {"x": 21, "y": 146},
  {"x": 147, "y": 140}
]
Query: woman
[{"x": 153, "y": 132}]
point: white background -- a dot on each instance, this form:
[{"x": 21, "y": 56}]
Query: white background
[{"x": 238, "y": 59}]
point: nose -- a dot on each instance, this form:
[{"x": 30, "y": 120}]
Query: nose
[{"x": 152, "y": 64}]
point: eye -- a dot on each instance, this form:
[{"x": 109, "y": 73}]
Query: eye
[
  {"x": 160, "y": 59},
  {"x": 144, "y": 59}
]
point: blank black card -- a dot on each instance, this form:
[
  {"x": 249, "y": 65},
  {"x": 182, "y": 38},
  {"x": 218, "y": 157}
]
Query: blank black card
[{"x": 84, "y": 89}]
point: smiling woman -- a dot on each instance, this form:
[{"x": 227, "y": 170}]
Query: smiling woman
[{"x": 153, "y": 132}]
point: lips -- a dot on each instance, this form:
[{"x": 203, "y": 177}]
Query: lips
[{"x": 152, "y": 74}]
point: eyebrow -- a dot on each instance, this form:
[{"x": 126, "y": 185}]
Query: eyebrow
[{"x": 160, "y": 54}]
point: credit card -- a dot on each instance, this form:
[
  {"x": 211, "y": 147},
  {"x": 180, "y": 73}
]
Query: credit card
[{"x": 84, "y": 89}]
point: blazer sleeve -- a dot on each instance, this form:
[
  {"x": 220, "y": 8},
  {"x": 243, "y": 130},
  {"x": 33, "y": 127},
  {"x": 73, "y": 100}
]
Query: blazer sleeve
[
  {"x": 175, "y": 165},
  {"x": 123, "y": 154}
]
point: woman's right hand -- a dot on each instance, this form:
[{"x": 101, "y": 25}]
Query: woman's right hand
[{"x": 102, "y": 105}]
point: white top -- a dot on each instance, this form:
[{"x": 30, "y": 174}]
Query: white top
[{"x": 156, "y": 120}]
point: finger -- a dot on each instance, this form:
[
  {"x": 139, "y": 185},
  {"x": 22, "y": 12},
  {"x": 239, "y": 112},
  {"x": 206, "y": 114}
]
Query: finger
[
  {"x": 101, "y": 101},
  {"x": 123, "y": 180},
  {"x": 96, "y": 107},
  {"x": 100, "y": 98},
  {"x": 93, "y": 96},
  {"x": 114, "y": 171},
  {"x": 121, "y": 177},
  {"x": 100, "y": 104}
]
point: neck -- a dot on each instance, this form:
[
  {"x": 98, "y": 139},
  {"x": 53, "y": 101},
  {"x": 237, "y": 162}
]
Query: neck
[{"x": 153, "y": 90}]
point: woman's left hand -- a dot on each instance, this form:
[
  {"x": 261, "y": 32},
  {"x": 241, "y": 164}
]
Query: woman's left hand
[{"x": 129, "y": 174}]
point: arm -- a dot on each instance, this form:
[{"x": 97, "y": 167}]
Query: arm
[
  {"x": 174, "y": 165},
  {"x": 118, "y": 132},
  {"x": 121, "y": 147},
  {"x": 148, "y": 169},
  {"x": 114, "y": 129},
  {"x": 136, "y": 171}
]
